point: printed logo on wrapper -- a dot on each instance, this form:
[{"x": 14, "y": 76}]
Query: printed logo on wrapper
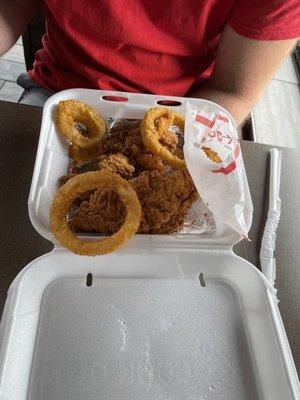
[{"x": 213, "y": 156}]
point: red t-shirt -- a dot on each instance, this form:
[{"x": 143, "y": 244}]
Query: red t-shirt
[{"x": 149, "y": 46}]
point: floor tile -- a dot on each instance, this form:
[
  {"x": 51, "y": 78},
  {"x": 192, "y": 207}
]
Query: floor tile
[
  {"x": 10, "y": 91},
  {"x": 287, "y": 72},
  {"x": 16, "y": 54},
  {"x": 276, "y": 117},
  {"x": 9, "y": 71}
]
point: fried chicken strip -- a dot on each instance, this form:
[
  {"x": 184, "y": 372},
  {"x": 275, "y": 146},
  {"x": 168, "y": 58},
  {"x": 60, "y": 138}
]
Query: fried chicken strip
[
  {"x": 128, "y": 141},
  {"x": 165, "y": 201},
  {"x": 102, "y": 212},
  {"x": 117, "y": 163}
]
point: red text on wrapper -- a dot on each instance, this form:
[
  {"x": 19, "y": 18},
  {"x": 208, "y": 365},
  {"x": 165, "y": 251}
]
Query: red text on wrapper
[
  {"x": 219, "y": 136},
  {"x": 208, "y": 122},
  {"x": 226, "y": 139}
]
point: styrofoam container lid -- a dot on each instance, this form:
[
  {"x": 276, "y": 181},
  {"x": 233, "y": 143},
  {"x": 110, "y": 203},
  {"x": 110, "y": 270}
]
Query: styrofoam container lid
[{"x": 147, "y": 327}]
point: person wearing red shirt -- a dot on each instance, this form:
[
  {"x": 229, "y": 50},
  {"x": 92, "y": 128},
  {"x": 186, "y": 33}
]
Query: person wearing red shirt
[{"x": 221, "y": 50}]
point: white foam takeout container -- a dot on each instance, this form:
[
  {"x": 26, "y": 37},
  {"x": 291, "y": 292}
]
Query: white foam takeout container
[{"x": 165, "y": 317}]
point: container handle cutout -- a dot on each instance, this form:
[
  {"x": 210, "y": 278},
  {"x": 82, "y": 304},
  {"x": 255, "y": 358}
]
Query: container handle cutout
[
  {"x": 169, "y": 103},
  {"x": 89, "y": 279},
  {"x": 115, "y": 98},
  {"x": 201, "y": 279}
]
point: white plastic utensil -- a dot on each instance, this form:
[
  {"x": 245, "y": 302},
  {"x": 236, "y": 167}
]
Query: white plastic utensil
[{"x": 267, "y": 259}]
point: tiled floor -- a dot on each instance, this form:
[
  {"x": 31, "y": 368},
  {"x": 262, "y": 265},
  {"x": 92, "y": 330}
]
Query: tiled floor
[
  {"x": 12, "y": 64},
  {"x": 276, "y": 117},
  {"x": 10, "y": 91}
]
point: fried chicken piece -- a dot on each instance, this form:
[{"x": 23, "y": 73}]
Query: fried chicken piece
[
  {"x": 165, "y": 201},
  {"x": 102, "y": 212},
  {"x": 179, "y": 152},
  {"x": 149, "y": 162},
  {"x": 123, "y": 124},
  {"x": 129, "y": 142},
  {"x": 117, "y": 163},
  {"x": 169, "y": 139}
]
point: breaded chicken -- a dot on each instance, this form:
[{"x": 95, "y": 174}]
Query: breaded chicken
[
  {"x": 165, "y": 201},
  {"x": 103, "y": 212},
  {"x": 117, "y": 163},
  {"x": 149, "y": 162},
  {"x": 128, "y": 141}
]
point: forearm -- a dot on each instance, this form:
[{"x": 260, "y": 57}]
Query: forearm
[
  {"x": 243, "y": 69},
  {"x": 236, "y": 104},
  {"x": 14, "y": 16}
]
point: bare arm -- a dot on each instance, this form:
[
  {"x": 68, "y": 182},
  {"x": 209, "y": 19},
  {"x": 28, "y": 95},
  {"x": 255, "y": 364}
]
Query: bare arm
[
  {"x": 14, "y": 16},
  {"x": 243, "y": 69}
]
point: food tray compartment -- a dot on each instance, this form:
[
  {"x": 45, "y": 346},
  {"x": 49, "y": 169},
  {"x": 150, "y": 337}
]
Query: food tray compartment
[
  {"x": 141, "y": 338},
  {"x": 52, "y": 157}
]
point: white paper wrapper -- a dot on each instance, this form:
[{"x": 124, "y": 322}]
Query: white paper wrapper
[
  {"x": 222, "y": 186},
  {"x": 199, "y": 219}
]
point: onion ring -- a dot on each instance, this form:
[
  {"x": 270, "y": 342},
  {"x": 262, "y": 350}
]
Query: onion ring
[
  {"x": 150, "y": 132},
  {"x": 80, "y": 184},
  {"x": 70, "y": 115}
]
